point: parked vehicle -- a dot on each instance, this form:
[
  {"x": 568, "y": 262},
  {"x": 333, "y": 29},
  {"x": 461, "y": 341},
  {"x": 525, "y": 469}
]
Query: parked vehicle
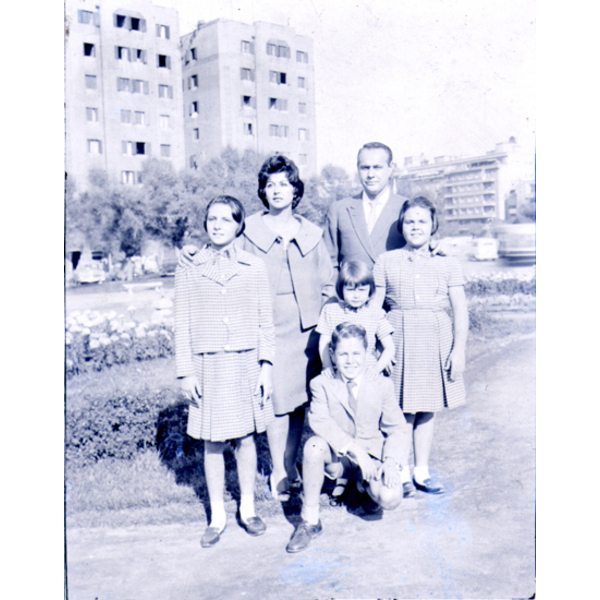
[
  {"x": 516, "y": 241},
  {"x": 484, "y": 249}
]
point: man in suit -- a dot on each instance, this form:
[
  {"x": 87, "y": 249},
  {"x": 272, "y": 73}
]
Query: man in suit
[
  {"x": 362, "y": 227},
  {"x": 354, "y": 419}
]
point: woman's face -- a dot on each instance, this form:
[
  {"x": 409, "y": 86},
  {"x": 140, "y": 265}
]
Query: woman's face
[
  {"x": 416, "y": 227},
  {"x": 221, "y": 226},
  {"x": 279, "y": 192}
]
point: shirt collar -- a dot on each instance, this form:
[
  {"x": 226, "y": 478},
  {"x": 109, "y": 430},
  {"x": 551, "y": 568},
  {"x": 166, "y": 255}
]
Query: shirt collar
[
  {"x": 209, "y": 253},
  {"x": 380, "y": 199},
  {"x": 357, "y": 380}
]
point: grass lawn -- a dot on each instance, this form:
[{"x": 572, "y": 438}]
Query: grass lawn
[{"x": 165, "y": 483}]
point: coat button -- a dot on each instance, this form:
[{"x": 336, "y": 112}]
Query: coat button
[
  {"x": 223, "y": 291},
  {"x": 227, "y": 347},
  {"x": 226, "y": 320}
]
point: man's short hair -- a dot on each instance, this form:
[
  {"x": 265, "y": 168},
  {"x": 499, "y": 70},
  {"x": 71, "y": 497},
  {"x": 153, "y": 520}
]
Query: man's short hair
[{"x": 377, "y": 146}]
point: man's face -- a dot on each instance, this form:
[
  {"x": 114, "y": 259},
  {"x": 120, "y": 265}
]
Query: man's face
[
  {"x": 374, "y": 170},
  {"x": 350, "y": 357}
]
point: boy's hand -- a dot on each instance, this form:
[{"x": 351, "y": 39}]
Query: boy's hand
[
  {"x": 390, "y": 473},
  {"x": 367, "y": 465},
  {"x": 191, "y": 390},
  {"x": 186, "y": 257},
  {"x": 455, "y": 364}
]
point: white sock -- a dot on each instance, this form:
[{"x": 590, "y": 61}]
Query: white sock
[
  {"x": 247, "y": 508},
  {"x": 218, "y": 517},
  {"x": 311, "y": 514},
  {"x": 421, "y": 474},
  {"x": 405, "y": 475}
]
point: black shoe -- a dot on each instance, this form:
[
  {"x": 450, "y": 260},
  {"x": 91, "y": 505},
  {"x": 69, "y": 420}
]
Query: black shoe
[
  {"x": 408, "y": 490},
  {"x": 254, "y": 526},
  {"x": 211, "y": 536},
  {"x": 430, "y": 486},
  {"x": 372, "y": 510},
  {"x": 303, "y": 535}
]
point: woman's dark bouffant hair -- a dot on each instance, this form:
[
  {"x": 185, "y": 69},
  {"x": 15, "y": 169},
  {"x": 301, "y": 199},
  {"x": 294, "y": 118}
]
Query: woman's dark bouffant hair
[
  {"x": 421, "y": 202},
  {"x": 280, "y": 164},
  {"x": 237, "y": 211}
]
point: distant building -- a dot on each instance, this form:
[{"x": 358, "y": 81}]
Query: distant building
[
  {"x": 248, "y": 87},
  {"x": 122, "y": 88},
  {"x": 475, "y": 190}
]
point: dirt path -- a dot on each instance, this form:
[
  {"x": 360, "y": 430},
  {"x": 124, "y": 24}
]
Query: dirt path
[{"x": 475, "y": 542}]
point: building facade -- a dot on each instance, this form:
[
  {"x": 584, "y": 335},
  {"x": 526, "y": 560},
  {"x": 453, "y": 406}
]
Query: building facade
[
  {"x": 248, "y": 87},
  {"x": 474, "y": 190},
  {"x": 122, "y": 89}
]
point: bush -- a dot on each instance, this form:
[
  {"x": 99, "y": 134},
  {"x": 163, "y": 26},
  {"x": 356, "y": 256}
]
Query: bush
[
  {"x": 502, "y": 283},
  {"x": 117, "y": 426}
]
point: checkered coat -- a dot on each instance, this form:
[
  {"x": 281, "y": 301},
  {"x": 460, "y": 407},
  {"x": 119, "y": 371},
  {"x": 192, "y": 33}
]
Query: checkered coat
[{"x": 222, "y": 310}]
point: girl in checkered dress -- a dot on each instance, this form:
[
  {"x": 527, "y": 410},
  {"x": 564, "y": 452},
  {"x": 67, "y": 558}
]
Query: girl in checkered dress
[
  {"x": 430, "y": 346},
  {"x": 355, "y": 287},
  {"x": 225, "y": 347}
]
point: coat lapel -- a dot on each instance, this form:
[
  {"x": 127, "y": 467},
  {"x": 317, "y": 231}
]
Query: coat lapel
[
  {"x": 357, "y": 217},
  {"x": 388, "y": 215}
]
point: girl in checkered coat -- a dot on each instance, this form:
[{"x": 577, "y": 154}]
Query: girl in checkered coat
[
  {"x": 430, "y": 346},
  {"x": 225, "y": 347}
]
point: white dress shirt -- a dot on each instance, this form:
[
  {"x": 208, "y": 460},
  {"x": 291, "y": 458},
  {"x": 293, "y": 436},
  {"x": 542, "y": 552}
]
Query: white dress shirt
[{"x": 374, "y": 207}]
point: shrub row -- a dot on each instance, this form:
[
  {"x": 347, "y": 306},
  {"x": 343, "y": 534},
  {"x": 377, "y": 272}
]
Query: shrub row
[{"x": 502, "y": 283}]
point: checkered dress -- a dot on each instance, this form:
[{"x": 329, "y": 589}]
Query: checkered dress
[
  {"x": 416, "y": 290},
  {"x": 371, "y": 317},
  {"x": 223, "y": 328}
]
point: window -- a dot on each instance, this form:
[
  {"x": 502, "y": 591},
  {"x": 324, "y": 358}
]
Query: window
[
  {"x": 90, "y": 82},
  {"x": 89, "y": 49},
  {"x": 247, "y": 47},
  {"x": 165, "y": 122},
  {"x": 163, "y": 61},
  {"x": 94, "y": 146},
  {"x": 301, "y": 57},
  {"x": 277, "y": 77},
  {"x": 137, "y": 24},
  {"x": 165, "y": 150},
  {"x": 125, "y": 116},
  {"x": 302, "y": 108},
  {"x": 302, "y": 82},
  {"x": 278, "y": 104},
  {"x": 193, "y": 162},
  {"x": 122, "y": 53},
  {"x": 85, "y": 16},
  {"x": 278, "y": 50},
  {"x": 303, "y": 135},
  {"x": 249, "y": 101},
  {"x": 91, "y": 114},
  {"x": 128, "y": 177},
  {"x": 248, "y": 129},
  {"x": 123, "y": 84},
  {"x": 120, "y": 21},
  {"x": 194, "y": 109},
  {"x": 192, "y": 82},
  {"x": 139, "y": 117},
  {"x": 140, "y": 148},
  {"x": 163, "y": 31},
  {"x": 278, "y": 130},
  {"x": 139, "y": 55},
  {"x": 196, "y": 135},
  {"x": 165, "y": 91},
  {"x": 193, "y": 53},
  {"x": 247, "y": 74},
  {"x": 303, "y": 159},
  {"x": 127, "y": 148},
  {"x": 139, "y": 86}
]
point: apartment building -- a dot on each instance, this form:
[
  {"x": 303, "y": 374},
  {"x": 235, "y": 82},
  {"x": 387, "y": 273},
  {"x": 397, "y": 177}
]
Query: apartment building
[
  {"x": 475, "y": 189},
  {"x": 248, "y": 87},
  {"x": 122, "y": 88}
]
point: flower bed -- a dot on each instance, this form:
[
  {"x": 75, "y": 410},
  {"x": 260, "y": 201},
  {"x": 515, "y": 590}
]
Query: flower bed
[{"x": 95, "y": 340}]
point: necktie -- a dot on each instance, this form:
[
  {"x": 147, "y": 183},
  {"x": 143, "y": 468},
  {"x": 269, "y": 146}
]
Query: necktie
[
  {"x": 351, "y": 391},
  {"x": 372, "y": 218}
]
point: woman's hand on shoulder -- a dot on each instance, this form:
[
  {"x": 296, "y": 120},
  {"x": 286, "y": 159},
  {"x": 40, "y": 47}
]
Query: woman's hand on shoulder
[
  {"x": 440, "y": 247},
  {"x": 191, "y": 389},
  {"x": 187, "y": 255}
]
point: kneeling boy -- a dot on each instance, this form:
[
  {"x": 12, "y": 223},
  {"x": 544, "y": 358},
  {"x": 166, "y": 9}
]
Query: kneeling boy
[{"x": 352, "y": 417}]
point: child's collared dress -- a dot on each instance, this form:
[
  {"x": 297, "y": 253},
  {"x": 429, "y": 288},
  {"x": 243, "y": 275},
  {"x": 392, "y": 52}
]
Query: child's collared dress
[
  {"x": 416, "y": 290},
  {"x": 223, "y": 328},
  {"x": 371, "y": 317}
]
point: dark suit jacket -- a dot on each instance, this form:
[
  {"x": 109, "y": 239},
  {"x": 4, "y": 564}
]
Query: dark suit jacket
[
  {"x": 378, "y": 424},
  {"x": 346, "y": 233}
]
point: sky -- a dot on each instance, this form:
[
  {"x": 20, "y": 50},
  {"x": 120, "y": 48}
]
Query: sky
[{"x": 438, "y": 77}]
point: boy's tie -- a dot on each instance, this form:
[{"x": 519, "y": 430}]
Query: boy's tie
[{"x": 351, "y": 385}]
